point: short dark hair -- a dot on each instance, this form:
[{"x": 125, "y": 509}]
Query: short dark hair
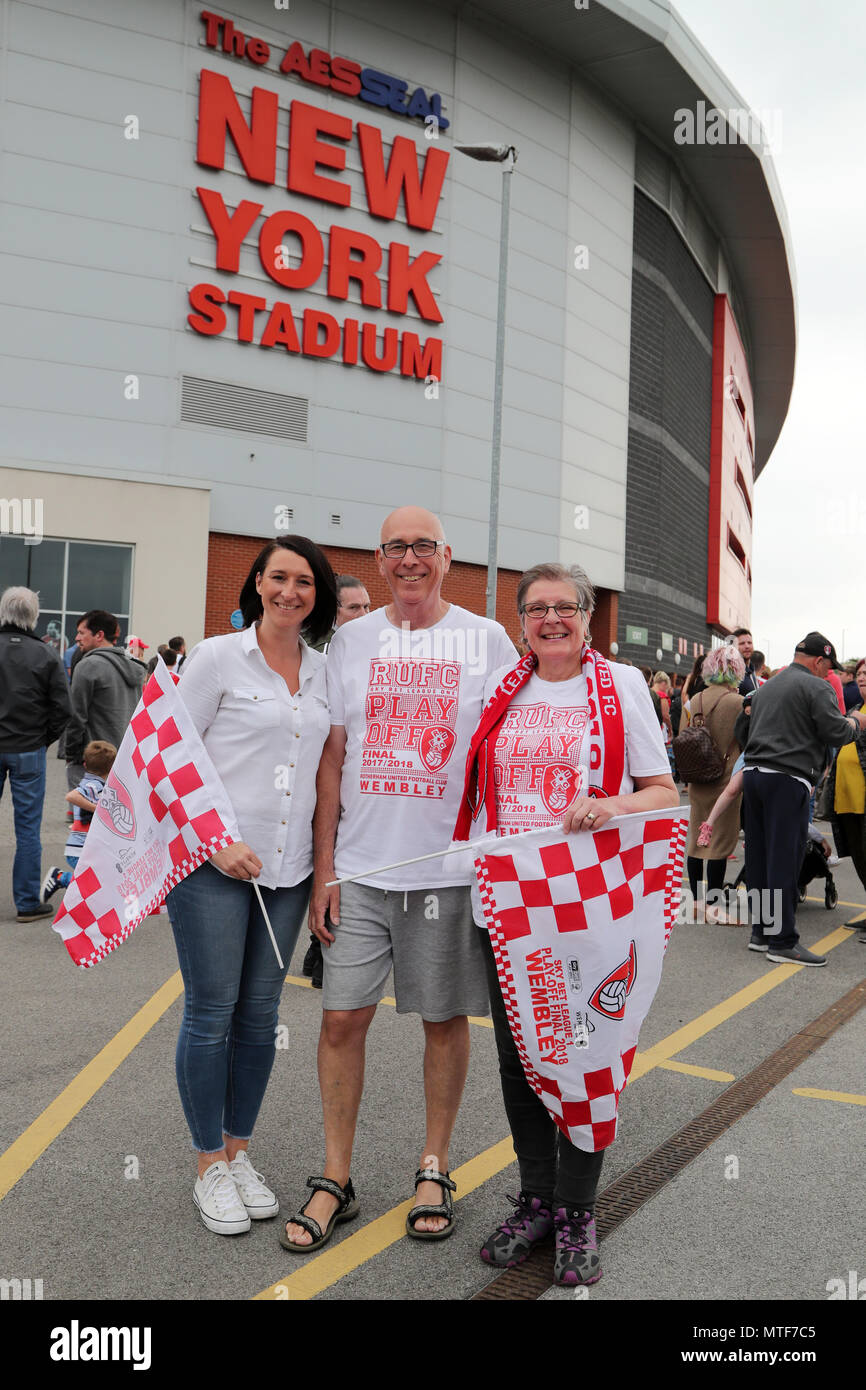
[
  {"x": 348, "y": 581},
  {"x": 97, "y": 620},
  {"x": 169, "y": 655},
  {"x": 324, "y": 613},
  {"x": 758, "y": 659},
  {"x": 742, "y": 632},
  {"x": 176, "y": 643}
]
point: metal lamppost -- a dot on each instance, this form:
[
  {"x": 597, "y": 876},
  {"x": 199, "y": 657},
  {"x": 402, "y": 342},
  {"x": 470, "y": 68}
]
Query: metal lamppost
[{"x": 506, "y": 155}]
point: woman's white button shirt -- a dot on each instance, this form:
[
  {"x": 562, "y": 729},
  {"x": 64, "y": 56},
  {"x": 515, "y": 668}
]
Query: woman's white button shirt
[{"x": 264, "y": 742}]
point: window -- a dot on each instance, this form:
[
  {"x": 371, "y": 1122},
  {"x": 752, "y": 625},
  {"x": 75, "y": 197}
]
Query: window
[
  {"x": 736, "y": 548},
  {"x": 740, "y": 480},
  {"x": 70, "y": 578}
]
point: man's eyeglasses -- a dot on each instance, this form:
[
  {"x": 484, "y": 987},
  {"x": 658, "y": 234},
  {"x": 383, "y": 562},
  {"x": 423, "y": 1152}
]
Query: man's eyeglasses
[
  {"x": 395, "y": 550},
  {"x": 539, "y": 611}
]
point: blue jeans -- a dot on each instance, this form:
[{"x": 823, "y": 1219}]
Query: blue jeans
[
  {"x": 26, "y": 773},
  {"x": 232, "y": 983}
]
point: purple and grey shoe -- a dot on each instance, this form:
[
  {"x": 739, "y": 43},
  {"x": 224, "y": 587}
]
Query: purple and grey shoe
[
  {"x": 512, "y": 1242},
  {"x": 577, "y": 1259}
]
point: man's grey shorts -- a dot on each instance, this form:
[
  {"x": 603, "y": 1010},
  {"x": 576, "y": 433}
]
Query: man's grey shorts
[{"x": 429, "y": 938}]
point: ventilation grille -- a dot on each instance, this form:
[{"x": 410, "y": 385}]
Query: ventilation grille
[{"x": 227, "y": 407}]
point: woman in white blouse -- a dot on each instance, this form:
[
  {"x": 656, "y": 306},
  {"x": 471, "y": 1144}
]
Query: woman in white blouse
[{"x": 259, "y": 702}]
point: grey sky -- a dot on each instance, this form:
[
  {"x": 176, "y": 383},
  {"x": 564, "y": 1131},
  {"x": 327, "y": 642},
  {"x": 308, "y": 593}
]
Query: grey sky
[{"x": 806, "y": 62}]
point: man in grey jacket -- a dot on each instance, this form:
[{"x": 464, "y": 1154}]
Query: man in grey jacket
[
  {"x": 794, "y": 718},
  {"x": 106, "y": 687},
  {"x": 34, "y": 708}
]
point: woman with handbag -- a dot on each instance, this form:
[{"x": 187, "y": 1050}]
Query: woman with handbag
[{"x": 716, "y": 707}]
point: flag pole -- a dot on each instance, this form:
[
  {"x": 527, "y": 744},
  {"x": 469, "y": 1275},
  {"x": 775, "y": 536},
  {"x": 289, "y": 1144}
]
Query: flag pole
[
  {"x": 258, "y": 892},
  {"x": 476, "y": 847}
]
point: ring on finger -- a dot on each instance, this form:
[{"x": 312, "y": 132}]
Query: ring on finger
[{"x": 591, "y": 817}]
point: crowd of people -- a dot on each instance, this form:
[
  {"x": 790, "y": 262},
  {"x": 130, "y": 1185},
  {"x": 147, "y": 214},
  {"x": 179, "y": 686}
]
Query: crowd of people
[
  {"x": 805, "y": 750},
  {"x": 304, "y": 684}
]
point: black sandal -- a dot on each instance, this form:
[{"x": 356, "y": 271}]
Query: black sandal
[
  {"x": 347, "y": 1211},
  {"x": 445, "y": 1207}
]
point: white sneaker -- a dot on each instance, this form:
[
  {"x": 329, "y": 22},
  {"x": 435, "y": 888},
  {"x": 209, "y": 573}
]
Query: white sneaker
[
  {"x": 258, "y": 1199},
  {"x": 219, "y": 1202}
]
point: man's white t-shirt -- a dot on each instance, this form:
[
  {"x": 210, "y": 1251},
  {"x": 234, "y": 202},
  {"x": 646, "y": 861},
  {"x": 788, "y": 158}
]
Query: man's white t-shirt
[
  {"x": 541, "y": 753},
  {"x": 410, "y": 702}
]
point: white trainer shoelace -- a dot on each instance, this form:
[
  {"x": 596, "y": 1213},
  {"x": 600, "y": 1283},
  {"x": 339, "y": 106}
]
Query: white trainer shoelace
[
  {"x": 222, "y": 1193},
  {"x": 249, "y": 1183}
]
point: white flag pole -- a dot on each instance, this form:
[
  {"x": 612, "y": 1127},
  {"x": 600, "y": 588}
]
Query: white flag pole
[
  {"x": 268, "y": 924},
  {"x": 476, "y": 847}
]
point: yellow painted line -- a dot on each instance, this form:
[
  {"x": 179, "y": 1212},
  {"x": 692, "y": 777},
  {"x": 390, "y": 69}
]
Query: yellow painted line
[
  {"x": 37, "y": 1137},
  {"x": 328, "y": 1268},
  {"x": 828, "y": 1095},
  {"x": 334, "y": 1264},
  {"x": 678, "y": 1041},
  {"x": 706, "y": 1072},
  {"x": 299, "y": 980},
  {"x": 840, "y": 904}
]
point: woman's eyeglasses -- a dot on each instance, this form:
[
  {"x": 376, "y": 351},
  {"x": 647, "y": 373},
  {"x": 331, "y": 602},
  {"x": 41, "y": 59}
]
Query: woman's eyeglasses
[{"x": 539, "y": 611}]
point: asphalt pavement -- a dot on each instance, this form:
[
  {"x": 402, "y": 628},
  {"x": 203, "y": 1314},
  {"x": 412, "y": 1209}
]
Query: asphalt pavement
[{"x": 97, "y": 1170}]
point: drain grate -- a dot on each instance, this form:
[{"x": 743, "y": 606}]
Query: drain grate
[{"x": 625, "y": 1196}]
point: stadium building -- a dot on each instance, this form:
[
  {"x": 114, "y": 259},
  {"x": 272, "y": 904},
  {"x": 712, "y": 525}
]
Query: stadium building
[{"x": 250, "y": 286}]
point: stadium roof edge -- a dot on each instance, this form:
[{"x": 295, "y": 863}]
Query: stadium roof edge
[{"x": 643, "y": 56}]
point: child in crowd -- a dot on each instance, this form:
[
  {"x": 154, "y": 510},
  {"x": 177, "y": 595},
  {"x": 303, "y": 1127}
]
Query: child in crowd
[
  {"x": 98, "y": 760},
  {"x": 731, "y": 792}
]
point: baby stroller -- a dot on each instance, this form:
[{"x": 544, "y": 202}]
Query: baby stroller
[{"x": 814, "y": 866}]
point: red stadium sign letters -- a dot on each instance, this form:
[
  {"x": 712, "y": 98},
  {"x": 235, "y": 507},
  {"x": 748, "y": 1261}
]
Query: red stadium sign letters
[{"x": 293, "y": 251}]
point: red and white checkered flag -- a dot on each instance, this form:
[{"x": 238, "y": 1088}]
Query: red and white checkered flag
[
  {"x": 579, "y": 925},
  {"x": 162, "y": 813}
]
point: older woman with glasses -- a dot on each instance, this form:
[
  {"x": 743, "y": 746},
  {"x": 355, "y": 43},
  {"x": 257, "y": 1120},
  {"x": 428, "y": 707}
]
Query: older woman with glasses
[{"x": 608, "y": 766}]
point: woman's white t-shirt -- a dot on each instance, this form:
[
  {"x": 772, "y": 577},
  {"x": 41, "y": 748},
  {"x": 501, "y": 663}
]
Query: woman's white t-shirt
[{"x": 541, "y": 753}]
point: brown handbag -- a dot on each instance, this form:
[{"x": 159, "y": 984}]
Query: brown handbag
[{"x": 696, "y": 755}]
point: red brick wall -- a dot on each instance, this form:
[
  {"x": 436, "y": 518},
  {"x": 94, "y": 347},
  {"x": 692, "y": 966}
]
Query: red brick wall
[{"x": 230, "y": 558}]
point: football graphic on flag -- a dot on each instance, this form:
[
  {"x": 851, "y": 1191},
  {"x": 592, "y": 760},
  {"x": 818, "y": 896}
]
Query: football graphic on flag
[
  {"x": 115, "y": 808},
  {"x": 610, "y": 996}
]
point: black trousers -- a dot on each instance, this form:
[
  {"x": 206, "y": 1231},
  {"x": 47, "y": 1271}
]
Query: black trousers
[
  {"x": 776, "y": 809},
  {"x": 854, "y": 839},
  {"x": 551, "y": 1167},
  {"x": 715, "y": 874}
]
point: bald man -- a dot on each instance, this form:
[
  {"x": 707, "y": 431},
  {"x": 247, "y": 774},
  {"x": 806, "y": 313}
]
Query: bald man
[{"x": 405, "y": 688}]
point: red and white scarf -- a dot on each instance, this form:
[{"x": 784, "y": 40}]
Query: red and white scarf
[{"x": 606, "y": 739}]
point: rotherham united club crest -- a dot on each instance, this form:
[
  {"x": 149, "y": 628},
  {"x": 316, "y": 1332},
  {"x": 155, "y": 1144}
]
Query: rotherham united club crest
[
  {"x": 609, "y": 997},
  {"x": 115, "y": 808},
  {"x": 436, "y": 746},
  {"x": 559, "y": 787}
]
